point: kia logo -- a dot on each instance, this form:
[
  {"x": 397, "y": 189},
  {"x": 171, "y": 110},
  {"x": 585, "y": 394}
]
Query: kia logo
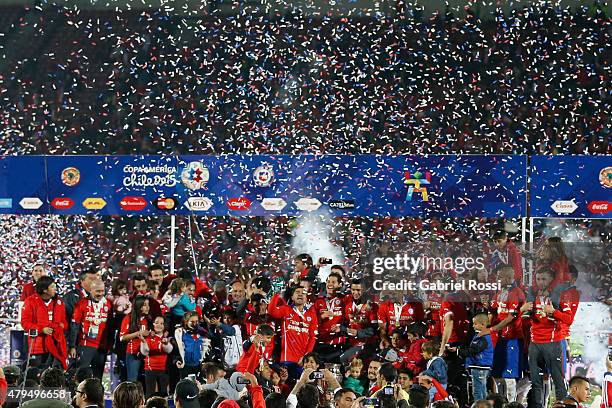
[
  {"x": 241, "y": 203},
  {"x": 133, "y": 203},
  {"x": 62, "y": 203}
]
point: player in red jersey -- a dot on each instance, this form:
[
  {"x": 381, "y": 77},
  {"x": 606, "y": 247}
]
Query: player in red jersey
[
  {"x": 361, "y": 324},
  {"x": 507, "y": 253},
  {"x": 509, "y": 358},
  {"x": 398, "y": 312},
  {"x": 89, "y": 339},
  {"x": 299, "y": 328},
  {"x": 547, "y": 335},
  {"x": 330, "y": 312}
]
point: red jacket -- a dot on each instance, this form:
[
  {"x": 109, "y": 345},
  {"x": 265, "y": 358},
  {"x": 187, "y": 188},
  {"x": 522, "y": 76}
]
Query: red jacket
[
  {"x": 606, "y": 391},
  {"x": 157, "y": 357},
  {"x": 299, "y": 330},
  {"x": 505, "y": 303},
  {"x": 454, "y": 303},
  {"x": 336, "y": 306},
  {"x": 362, "y": 317},
  {"x": 545, "y": 329},
  {"x": 38, "y": 315},
  {"x": 27, "y": 291},
  {"x": 92, "y": 319},
  {"x": 413, "y": 360},
  {"x": 570, "y": 298}
]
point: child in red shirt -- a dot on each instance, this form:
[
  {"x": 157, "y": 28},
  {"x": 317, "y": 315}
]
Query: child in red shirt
[{"x": 156, "y": 348}]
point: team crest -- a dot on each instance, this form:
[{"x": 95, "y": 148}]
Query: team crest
[{"x": 263, "y": 176}]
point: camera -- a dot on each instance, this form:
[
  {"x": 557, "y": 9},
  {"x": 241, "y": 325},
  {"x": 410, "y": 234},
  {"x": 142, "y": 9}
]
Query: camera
[
  {"x": 370, "y": 403},
  {"x": 316, "y": 375},
  {"x": 33, "y": 333},
  {"x": 242, "y": 380},
  {"x": 388, "y": 390},
  {"x": 192, "y": 377},
  {"x": 325, "y": 261}
]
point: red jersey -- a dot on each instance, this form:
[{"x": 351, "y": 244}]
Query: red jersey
[
  {"x": 133, "y": 346},
  {"x": 92, "y": 317},
  {"x": 252, "y": 322},
  {"x": 549, "y": 329},
  {"x": 156, "y": 360},
  {"x": 299, "y": 329},
  {"x": 334, "y": 305},
  {"x": 510, "y": 255},
  {"x": 27, "y": 291},
  {"x": 455, "y": 304},
  {"x": 432, "y": 315},
  {"x": 570, "y": 298},
  {"x": 360, "y": 317},
  {"x": 38, "y": 314},
  {"x": 394, "y": 315},
  {"x": 413, "y": 359},
  {"x": 508, "y": 302},
  {"x": 606, "y": 391}
]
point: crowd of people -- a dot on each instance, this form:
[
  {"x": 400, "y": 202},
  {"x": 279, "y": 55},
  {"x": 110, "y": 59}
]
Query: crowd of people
[
  {"x": 534, "y": 80},
  {"x": 309, "y": 342}
]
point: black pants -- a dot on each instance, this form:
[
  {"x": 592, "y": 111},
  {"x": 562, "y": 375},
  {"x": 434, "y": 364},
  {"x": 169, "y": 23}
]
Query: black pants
[
  {"x": 329, "y": 353},
  {"x": 43, "y": 361},
  {"x": 91, "y": 357},
  {"x": 363, "y": 352},
  {"x": 457, "y": 379},
  {"x": 550, "y": 356},
  {"x": 156, "y": 381}
]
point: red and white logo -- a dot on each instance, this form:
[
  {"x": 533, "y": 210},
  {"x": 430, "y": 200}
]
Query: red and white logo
[
  {"x": 62, "y": 203},
  {"x": 238, "y": 204},
  {"x": 600, "y": 207},
  {"x": 133, "y": 203}
]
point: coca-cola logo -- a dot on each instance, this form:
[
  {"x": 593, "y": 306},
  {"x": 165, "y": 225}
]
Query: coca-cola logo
[
  {"x": 62, "y": 203},
  {"x": 241, "y": 203},
  {"x": 600, "y": 207},
  {"x": 133, "y": 203}
]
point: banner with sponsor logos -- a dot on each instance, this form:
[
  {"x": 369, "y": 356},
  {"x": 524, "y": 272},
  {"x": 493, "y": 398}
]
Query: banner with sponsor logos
[
  {"x": 571, "y": 186},
  {"x": 364, "y": 185}
]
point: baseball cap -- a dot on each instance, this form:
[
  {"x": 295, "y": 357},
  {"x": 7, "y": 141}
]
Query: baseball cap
[
  {"x": 187, "y": 393},
  {"x": 12, "y": 371}
]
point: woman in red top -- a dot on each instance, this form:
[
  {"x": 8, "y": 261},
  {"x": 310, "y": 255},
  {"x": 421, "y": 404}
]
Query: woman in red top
[{"x": 134, "y": 327}]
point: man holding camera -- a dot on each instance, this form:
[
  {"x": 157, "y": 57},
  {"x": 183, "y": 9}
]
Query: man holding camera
[
  {"x": 305, "y": 394},
  {"x": 387, "y": 376}
]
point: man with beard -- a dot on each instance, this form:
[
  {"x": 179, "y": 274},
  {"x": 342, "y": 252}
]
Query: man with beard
[
  {"x": 90, "y": 339},
  {"x": 330, "y": 310},
  {"x": 299, "y": 328},
  {"x": 360, "y": 325}
]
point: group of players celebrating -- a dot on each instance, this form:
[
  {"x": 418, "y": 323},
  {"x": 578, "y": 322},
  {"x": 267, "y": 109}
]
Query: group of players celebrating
[{"x": 458, "y": 345}]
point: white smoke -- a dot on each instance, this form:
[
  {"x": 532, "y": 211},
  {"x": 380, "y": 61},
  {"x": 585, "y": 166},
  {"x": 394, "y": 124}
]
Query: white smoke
[
  {"x": 313, "y": 236},
  {"x": 592, "y": 324}
]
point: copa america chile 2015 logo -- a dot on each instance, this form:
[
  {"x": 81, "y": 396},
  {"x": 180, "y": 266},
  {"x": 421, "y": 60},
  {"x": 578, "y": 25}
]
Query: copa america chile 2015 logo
[{"x": 195, "y": 176}]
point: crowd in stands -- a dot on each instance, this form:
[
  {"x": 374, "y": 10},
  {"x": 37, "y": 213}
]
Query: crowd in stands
[{"x": 533, "y": 80}]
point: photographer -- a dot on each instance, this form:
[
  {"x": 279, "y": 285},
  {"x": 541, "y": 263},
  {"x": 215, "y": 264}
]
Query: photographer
[
  {"x": 387, "y": 376},
  {"x": 306, "y": 395}
]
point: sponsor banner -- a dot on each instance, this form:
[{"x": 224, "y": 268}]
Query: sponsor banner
[
  {"x": 586, "y": 181},
  {"x": 239, "y": 203},
  {"x": 356, "y": 185},
  {"x": 62, "y": 203},
  {"x": 564, "y": 207},
  {"x": 23, "y": 176},
  {"x": 94, "y": 203},
  {"x": 133, "y": 203},
  {"x": 273, "y": 204},
  {"x": 342, "y": 204},
  {"x": 6, "y": 203},
  {"x": 30, "y": 203}
]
